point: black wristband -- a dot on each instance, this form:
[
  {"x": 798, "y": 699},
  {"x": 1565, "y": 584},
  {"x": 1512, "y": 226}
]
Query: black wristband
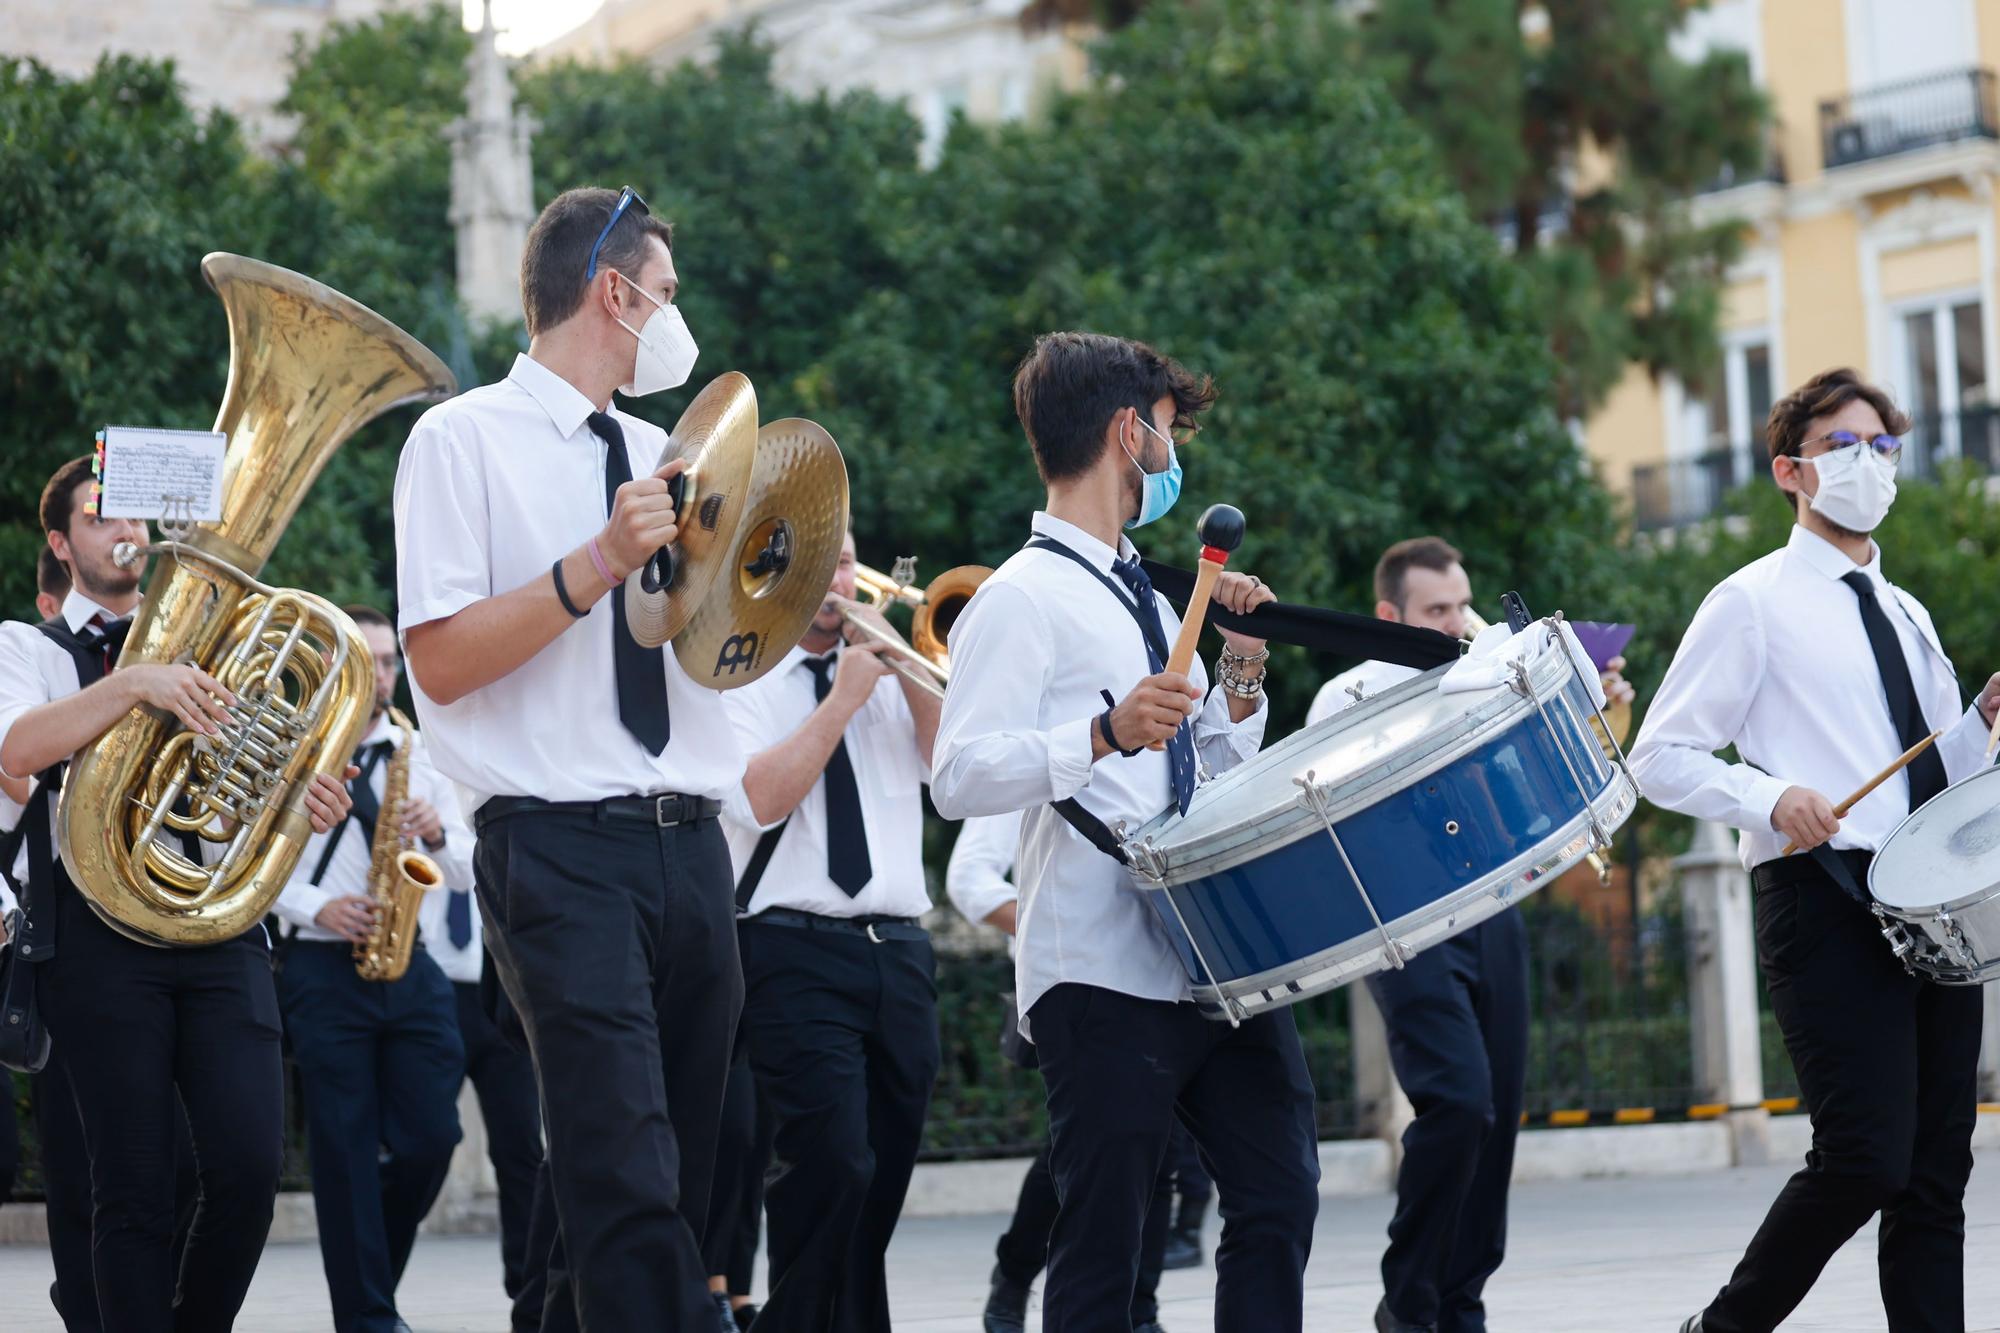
[
  {"x": 562, "y": 593},
  {"x": 1104, "y": 728}
]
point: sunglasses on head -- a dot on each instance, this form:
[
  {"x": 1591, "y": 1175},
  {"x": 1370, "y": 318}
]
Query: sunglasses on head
[{"x": 627, "y": 198}]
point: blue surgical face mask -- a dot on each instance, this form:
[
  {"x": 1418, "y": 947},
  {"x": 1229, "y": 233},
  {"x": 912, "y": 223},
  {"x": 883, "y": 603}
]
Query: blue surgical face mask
[{"x": 1157, "y": 490}]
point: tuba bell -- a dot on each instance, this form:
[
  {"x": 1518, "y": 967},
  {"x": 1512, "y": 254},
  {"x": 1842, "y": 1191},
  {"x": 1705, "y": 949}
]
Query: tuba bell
[{"x": 307, "y": 368}]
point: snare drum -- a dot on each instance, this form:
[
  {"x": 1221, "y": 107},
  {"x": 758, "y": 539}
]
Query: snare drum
[
  {"x": 1400, "y": 822},
  {"x": 1936, "y": 883}
]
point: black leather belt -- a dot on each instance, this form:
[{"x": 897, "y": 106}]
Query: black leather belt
[
  {"x": 1805, "y": 868},
  {"x": 662, "y": 811},
  {"x": 876, "y": 928}
]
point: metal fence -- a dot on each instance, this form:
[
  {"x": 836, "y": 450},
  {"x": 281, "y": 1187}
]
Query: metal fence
[{"x": 1902, "y": 117}]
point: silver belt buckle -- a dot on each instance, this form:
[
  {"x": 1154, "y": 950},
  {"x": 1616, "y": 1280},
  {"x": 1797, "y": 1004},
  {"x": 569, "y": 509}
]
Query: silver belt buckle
[
  {"x": 660, "y": 819},
  {"x": 873, "y": 937}
]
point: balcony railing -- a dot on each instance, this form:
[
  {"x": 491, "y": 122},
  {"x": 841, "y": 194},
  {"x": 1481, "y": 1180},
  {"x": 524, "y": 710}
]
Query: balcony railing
[
  {"x": 1902, "y": 117},
  {"x": 1687, "y": 490}
]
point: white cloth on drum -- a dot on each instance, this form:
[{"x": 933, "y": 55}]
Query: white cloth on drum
[
  {"x": 347, "y": 873},
  {"x": 1777, "y": 663},
  {"x": 976, "y": 878},
  {"x": 881, "y": 741},
  {"x": 493, "y": 488},
  {"x": 1370, "y": 678},
  {"x": 1489, "y": 664},
  {"x": 1029, "y": 656}
]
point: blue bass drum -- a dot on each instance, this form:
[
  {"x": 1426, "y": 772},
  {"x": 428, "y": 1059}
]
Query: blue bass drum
[{"x": 1376, "y": 833}]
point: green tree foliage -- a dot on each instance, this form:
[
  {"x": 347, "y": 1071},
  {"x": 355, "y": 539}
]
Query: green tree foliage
[{"x": 1234, "y": 193}]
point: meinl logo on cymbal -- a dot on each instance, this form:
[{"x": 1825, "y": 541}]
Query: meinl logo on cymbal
[{"x": 711, "y": 511}]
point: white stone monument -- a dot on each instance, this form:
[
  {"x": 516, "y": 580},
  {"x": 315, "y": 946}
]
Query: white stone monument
[{"x": 492, "y": 184}]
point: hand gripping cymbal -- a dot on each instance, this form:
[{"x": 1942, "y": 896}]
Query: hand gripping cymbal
[
  {"x": 779, "y": 564},
  {"x": 718, "y": 436}
]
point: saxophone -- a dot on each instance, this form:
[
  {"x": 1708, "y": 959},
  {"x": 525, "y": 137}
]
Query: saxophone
[{"x": 398, "y": 875}]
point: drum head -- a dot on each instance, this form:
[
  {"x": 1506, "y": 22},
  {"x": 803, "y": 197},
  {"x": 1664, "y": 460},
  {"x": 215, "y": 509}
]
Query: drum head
[{"x": 1945, "y": 851}]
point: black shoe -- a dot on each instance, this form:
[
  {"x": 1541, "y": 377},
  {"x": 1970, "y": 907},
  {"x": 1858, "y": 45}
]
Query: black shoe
[
  {"x": 745, "y": 1314},
  {"x": 1385, "y": 1322},
  {"x": 1006, "y": 1305},
  {"x": 1183, "y": 1250},
  {"x": 1693, "y": 1325}
]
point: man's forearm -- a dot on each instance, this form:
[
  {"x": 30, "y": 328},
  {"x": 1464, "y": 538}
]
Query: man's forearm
[
  {"x": 496, "y": 636},
  {"x": 777, "y": 779},
  {"x": 50, "y": 733},
  {"x": 925, "y": 707}
]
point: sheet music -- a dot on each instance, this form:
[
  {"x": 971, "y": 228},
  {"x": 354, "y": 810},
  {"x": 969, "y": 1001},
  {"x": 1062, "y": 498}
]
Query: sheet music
[{"x": 152, "y": 473}]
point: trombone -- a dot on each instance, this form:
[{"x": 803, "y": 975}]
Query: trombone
[{"x": 924, "y": 659}]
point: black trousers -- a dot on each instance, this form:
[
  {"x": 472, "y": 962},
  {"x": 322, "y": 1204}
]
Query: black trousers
[
  {"x": 1119, "y": 1070},
  {"x": 615, "y": 942},
  {"x": 504, "y": 1078},
  {"x": 1457, "y": 1016},
  {"x": 843, "y": 1038},
  {"x": 1888, "y": 1069},
  {"x": 742, "y": 1153},
  {"x": 379, "y": 1065},
  {"x": 145, "y": 1031},
  {"x": 1191, "y": 1179},
  {"x": 10, "y": 1137},
  {"x": 1023, "y": 1250}
]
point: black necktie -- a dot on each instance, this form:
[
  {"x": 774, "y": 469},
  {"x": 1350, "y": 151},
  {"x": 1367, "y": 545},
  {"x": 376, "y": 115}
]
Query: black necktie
[
  {"x": 1180, "y": 747},
  {"x": 1927, "y": 777},
  {"x": 362, "y": 787},
  {"x": 108, "y": 637},
  {"x": 847, "y": 862},
  {"x": 458, "y": 918},
  {"x": 640, "y": 672}
]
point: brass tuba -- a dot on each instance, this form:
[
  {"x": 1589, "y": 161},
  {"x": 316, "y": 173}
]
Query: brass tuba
[
  {"x": 398, "y": 875},
  {"x": 307, "y": 368}
]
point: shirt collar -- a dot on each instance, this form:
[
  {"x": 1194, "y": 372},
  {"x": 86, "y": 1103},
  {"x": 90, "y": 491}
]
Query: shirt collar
[
  {"x": 78, "y": 609},
  {"x": 1085, "y": 545},
  {"x": 1828, "y": 559},
  {"x": 563, "y": 401},
  {"x": 383, "y": 730}
]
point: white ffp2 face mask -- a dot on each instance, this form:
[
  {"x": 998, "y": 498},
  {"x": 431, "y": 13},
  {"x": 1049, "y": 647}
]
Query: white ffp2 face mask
[
  {"x": 667, "y": 350},
  {"x": 1855, "y": 488}
]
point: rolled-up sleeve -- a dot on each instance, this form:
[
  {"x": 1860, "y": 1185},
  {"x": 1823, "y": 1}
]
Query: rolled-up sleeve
[
  {"x": 993, "y": 755},
  {"x": 975, "y": 879},
  {"x": 1699, "y": 710},
  {"x": 21, "y": 684},
  {"x": 442, "y": 536},
  {"x": 1222, "y": 742}
]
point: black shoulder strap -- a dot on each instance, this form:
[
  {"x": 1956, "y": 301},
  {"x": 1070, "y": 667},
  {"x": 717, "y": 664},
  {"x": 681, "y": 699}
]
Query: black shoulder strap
[
  {"x": 760, "y": 857},
  {"x": 1123, "y": 596},
  {"x": 339, "y": 830}
]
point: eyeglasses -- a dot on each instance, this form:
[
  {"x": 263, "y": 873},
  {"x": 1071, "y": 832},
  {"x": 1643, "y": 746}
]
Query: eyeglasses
[
  {"x": 1180, "y": 432},
  {"x": 627, "y": 198},
  {"x": 1887, "y": 448}
]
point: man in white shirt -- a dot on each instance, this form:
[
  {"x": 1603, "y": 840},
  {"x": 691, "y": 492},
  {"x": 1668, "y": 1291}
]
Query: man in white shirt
[
  {"x": 1060, "y": 631},
  {"x": 1819, "y": 671},
  {"x": 496, "y": 1064},
  {"x": 379, "y": 1061},
  {"x": 143, "y": 1030},
  {"x": 840, "y": 994},
  {"x": 1457, "y": 1016},
  {"x": 593, "y": 769}
]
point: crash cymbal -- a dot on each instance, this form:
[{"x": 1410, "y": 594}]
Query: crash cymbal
[
  {"x": 782, "y": 560},
  {"x": 718, "y": 436}
]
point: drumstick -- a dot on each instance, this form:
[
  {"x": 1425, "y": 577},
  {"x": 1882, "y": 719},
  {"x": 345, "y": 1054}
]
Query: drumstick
[
  {"x": 1840, "y": 811},
  {"x": 1993, "y": 737},
  {"x": 1221, "y": 531}
]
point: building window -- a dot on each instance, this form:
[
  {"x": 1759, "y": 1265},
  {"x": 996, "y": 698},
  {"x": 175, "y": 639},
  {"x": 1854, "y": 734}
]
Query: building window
[
  {"x": 1730, "y": 418},
  {"x": 1941, "y": 359}
]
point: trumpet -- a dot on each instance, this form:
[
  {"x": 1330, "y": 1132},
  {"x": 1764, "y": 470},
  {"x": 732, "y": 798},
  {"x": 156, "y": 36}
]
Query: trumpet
[{"x": 924, "y": 659}]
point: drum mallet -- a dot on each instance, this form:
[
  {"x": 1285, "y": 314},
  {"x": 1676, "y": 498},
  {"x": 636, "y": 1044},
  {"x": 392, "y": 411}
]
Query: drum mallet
[
  {"x": 1840, "y": 811},
  {"x": 1221, "y": 531}
]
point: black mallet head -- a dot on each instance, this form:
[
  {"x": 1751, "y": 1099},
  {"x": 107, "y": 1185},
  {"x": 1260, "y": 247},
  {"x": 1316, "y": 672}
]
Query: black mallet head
[{"x": 1221, "y": 528}]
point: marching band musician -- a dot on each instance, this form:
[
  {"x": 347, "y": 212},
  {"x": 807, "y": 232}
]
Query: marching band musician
[
  {"x": 1818, "y": 671},
  {"x": 379, "y": 1062},
  {"x": 593, "y": 769},
  {"x": 144, "y": 1031},
  {"x": 1062, "y": 630},
  {"x": 1457, "y": 1018},
  {"x": 840, "y": 994}
]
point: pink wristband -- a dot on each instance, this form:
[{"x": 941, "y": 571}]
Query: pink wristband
[{"x": 597, "y": 559}]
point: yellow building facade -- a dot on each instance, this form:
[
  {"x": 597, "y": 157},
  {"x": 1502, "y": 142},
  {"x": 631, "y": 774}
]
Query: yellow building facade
[{"x": 1868, "y": 242}]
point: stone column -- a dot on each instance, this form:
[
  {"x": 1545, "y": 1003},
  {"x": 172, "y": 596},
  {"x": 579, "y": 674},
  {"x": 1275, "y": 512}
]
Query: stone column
[
  {"x": 1380, "y": 1106},
  {"x": 492, "y": 191},
  {"x": 1722, "y": 988}
]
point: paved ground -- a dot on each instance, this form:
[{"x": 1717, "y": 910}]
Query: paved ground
[{"x": 1587, "y": 1257}]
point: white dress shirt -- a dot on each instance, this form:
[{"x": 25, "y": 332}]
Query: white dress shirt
[
  {"x": 1029, "y": 655},
  {"x": 347, "y": 873},
  {"x": 35, "y": 670},
  {"x": 10, "y": 815},
  {"x": 976, "y": 877},
  {"x": 460, "y": 966},
  {"x": 494, "y": 487},
  {"x": 1371, "y": 678},
  {"x": 1777, "y": 663},
  {"x": 881, "y": 742}
]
